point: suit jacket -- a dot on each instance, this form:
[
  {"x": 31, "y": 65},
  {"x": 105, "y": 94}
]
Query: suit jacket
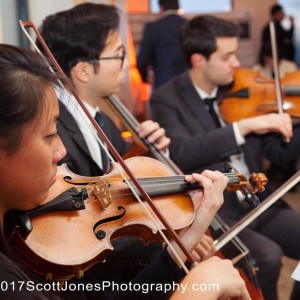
[
  {"x": 78, "y": 157},
  {"x": 160, "y": 48},
  {"x": 196, "y": 143}
]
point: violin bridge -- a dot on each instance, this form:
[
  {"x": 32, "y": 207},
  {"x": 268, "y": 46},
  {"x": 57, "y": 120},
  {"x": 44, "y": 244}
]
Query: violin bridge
[{"x": 102, "y": 194}]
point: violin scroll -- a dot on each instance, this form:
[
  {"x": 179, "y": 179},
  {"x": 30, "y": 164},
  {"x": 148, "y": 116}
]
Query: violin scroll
[{"x": 256, "y": 183}]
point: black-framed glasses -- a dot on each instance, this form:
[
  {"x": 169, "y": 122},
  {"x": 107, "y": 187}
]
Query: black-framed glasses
[{"x": 122, "y": 57}]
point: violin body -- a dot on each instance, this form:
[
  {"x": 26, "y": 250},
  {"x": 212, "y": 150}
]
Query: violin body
[
  {"x": 63, "y": 245},
  {"x": 110, "y": 211},
  {"x": 253, "y": 95}
]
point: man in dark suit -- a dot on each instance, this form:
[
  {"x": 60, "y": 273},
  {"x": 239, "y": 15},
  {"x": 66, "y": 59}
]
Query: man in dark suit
[
  {"x": 160, "y": 47},
  {"x": 201, "y": 139},
  {"x": 95, "y": 62}
]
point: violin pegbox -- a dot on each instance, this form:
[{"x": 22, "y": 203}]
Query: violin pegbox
[{"x": 256, "y": 183}]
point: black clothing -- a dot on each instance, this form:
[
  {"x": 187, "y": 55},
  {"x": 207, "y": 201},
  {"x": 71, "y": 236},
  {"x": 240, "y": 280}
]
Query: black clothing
[
  {"x": 160, "y": 48},
  {"x": 16, "y": 285},
  {"x": 78, "y": 157},
  {"x": 285, "y": 43},
  {"x": 210, "y": 105}
]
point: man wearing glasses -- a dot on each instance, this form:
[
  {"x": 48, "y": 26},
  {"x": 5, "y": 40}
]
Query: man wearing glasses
[{"x": 87, "y": 45}]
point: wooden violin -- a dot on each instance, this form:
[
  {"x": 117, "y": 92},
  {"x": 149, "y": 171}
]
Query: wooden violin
[
  {"x": 93, "y": 211},
  {"x": 253, "y": 94}
]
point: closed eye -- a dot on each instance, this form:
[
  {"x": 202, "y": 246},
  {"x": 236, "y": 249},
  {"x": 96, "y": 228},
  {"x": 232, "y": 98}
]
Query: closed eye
[{"x": 52, "y": 136}]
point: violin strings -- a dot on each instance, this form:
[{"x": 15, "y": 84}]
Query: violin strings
[
  {"x": 154, "y": 184},
  {"x": 175, "y": 177}
]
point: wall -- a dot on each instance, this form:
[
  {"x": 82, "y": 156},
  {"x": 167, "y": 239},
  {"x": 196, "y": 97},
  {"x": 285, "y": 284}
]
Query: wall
[
  {"x": 8, "y": 28},
  {"x": 260, "y": 12},
  {"x": 38, "y": 10},
  {"x": 134, "y": 6},
  {"x": 256, "y": 12},
  {"x": 246, "y": 51}
]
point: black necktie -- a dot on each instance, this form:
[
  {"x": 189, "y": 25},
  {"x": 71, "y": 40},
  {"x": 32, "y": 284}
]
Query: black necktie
[
  {"x": 209, "y": 102},
  {"x": 99, "y": 119}
]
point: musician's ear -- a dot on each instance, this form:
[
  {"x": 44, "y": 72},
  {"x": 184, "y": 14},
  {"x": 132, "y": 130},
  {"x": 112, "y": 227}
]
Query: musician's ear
[
  {"x": 82, "y": 71},
  {"x": 197, "y": 60}
]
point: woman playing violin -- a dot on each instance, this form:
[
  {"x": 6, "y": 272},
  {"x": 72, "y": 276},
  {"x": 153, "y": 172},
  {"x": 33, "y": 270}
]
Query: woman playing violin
[{"x": 29, "y": 151}]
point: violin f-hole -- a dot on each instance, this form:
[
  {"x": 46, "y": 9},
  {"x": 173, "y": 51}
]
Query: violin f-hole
[{"x": 101, "y": 234}]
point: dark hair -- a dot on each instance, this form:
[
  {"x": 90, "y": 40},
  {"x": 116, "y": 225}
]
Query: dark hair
[
  {"x": 79, "y": 34},
  {"x": 169, "y": 4},
  {"x": 200, "y": 33},
  {"x": 24, "y": 77},
  {"x": 275, "y": 9}
]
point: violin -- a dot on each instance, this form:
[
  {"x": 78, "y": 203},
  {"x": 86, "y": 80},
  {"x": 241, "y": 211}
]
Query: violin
[
  {"x": 253, "y": 94},
  {"x": 93, "y": 211},
  {"x": 237, "y": 248}
]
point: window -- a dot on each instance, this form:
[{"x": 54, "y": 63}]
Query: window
[{"x": 192, "y": 6}]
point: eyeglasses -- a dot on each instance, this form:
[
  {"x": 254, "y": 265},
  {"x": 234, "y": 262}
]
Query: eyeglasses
[{"x": 122, "y": 57}]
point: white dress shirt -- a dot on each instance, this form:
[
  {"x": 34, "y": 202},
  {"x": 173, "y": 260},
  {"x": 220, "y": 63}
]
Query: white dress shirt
[{"x": 88, "y": 131}]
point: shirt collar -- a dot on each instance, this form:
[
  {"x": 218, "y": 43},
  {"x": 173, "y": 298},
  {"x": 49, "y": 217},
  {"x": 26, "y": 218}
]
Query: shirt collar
[
  {"x": 203, "y": 94},
  {"x": 171, "y": 12},
  {"x": 92, "y": 110}
]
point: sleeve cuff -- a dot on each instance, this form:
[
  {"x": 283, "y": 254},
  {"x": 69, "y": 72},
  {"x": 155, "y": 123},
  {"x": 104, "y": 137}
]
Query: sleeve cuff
[{"x": 240, "y": 140}]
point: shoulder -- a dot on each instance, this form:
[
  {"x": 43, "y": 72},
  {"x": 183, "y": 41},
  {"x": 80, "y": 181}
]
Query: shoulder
[
  {"x": 66, "y": 122},
  {"x": 64, "y": 115},
  {"x": 172, "y": 88},
  {"x": 13, "y": 281},
  {"x": 172, "y": 20},
  {"x": 149, "y": 27},
  {"x": 266, "y": 29}
]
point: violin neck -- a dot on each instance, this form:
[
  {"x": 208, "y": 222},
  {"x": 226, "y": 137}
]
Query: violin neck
[{"x": 168, "y": 185}]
